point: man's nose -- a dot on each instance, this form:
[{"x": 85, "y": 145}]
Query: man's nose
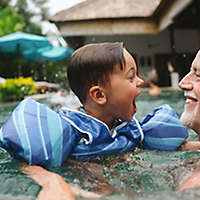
[{"x": 185, "y": 83}]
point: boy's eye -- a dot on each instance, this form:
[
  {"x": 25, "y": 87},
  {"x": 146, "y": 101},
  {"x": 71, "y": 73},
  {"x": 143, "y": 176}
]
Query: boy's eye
[{"x": 131, "y": 77}]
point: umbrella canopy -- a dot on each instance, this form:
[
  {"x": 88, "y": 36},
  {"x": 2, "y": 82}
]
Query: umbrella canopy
[
  {"x": 32, "y": 47},
  {"x": 55, "y": 53},
  {"x": 19, "y": 42},
  {"x": 51, "y": 53}
]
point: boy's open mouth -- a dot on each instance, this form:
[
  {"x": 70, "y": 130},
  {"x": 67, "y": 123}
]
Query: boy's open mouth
[
  {"x": 134, "y": 106},
  {"x": 134, "y": 102}
]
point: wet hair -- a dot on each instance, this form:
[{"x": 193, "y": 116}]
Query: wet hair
[{"x": 92, "y": 64}]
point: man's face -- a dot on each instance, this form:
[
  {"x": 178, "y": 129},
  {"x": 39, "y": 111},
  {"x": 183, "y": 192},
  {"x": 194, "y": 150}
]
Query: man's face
[{"x": 191, "y": 86}]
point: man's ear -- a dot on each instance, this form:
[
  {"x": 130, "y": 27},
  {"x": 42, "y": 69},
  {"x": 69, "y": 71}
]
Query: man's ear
[{"x": 97, "y": 94}]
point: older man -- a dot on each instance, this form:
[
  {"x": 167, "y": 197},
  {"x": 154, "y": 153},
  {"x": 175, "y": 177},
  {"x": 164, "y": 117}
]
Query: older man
[{"x": 190, "y": 84}]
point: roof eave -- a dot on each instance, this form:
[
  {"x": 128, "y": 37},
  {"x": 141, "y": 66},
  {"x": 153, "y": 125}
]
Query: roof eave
[
  {"x": 172, "y": 9},
  {"x": 108, "y": 27}
]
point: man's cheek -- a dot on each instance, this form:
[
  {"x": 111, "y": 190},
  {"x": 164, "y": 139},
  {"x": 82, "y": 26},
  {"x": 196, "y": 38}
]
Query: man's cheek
[
  {"x": 196, "y": 116},
  {"x": 197, "y": 90}
]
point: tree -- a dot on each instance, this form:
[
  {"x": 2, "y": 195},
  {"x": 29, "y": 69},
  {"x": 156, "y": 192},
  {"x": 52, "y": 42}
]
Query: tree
[
  {"x": 10, "y": 21},
  {"x": 40, "y": 12},
  {"x": 4, "y": 4}
]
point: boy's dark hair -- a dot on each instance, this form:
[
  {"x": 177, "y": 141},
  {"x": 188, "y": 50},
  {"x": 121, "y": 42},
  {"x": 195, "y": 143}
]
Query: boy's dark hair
[{"x": 92, "y": 64}]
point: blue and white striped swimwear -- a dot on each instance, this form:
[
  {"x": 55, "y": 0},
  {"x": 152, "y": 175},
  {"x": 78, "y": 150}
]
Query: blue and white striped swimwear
[{"x": 38, "y": 135}]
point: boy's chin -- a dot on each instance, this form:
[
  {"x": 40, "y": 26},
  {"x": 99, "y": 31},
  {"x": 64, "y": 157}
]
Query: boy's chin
[{"x": 130, "y": 118}]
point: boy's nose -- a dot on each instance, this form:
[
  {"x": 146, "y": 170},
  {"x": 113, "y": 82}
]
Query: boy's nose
[
  {"x": 185, "y": 83},
  {"x": 140, "y": 82}
]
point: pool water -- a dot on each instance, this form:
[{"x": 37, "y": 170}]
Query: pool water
[{"x": 139, "y": 175}]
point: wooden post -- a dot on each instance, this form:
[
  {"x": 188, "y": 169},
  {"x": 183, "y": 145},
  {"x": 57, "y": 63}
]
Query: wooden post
[{"x": 173, "y": 47}]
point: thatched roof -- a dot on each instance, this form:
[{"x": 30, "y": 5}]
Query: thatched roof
[
  {"x": 107, "y": 9},
  {"x": 108, "y": 17}
]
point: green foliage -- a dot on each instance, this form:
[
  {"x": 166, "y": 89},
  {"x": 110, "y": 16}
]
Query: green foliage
[
  {"x": 16, "y": 89},
  {"x": 56, "y": 72},
  {"x": 41, "y": 12},
  {"x": 10, "y": 21},
  {"x": 4, "y": 4},
  {"x": 19, "y": 17}
]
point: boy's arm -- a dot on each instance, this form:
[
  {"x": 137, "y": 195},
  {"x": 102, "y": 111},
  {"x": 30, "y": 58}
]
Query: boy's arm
[
  {"x": 53, "y": 185},
  {"x": 190, "y": 145}
]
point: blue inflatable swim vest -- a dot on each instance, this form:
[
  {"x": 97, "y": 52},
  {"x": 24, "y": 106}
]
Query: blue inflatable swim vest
[{"x": 38, "y": 135}]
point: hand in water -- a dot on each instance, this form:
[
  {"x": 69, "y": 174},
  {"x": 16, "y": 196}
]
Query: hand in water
[
  {"x": 189, "y": 145},
  {"x": 53, "y": 185},
  {"x": 191, "y": 182}
]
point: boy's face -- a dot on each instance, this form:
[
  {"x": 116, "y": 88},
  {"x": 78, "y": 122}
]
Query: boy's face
[{"x": 123, "y": 88}]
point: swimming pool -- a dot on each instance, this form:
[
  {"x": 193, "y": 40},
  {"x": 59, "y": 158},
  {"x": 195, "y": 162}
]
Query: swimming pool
[{"x": 145, "y": 174}]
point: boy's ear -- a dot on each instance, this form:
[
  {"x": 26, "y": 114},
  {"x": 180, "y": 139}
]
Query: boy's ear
[{"x": 97, "y": 94}]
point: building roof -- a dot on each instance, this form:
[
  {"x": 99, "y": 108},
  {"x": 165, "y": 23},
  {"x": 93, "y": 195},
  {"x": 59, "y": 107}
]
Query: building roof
[
  {"x": 108, "y": 17},
  {"x": 107, "y": 9}
]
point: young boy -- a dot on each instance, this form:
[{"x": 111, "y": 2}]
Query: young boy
[
  {"x": 104, "y": 77},
  {"x": 106, "y": 87}
]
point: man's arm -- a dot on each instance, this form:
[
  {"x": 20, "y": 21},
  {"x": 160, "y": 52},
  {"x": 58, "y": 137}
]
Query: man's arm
[{"x": 53, "y": 185}]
